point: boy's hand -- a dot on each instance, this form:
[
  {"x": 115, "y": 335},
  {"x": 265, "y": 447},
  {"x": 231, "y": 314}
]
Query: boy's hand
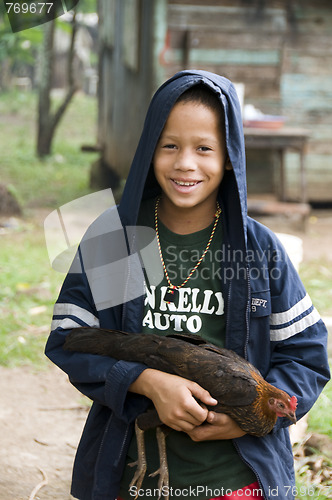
[
  {"x": 217, "y": 426},
  {"x": 174, "y": 398}
]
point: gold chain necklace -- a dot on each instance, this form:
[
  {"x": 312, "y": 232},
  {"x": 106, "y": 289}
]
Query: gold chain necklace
[{"x": 172, "y": 290}]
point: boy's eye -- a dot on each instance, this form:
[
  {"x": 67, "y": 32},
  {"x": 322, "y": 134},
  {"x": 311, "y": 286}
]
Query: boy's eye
[
  {"x": 169, "y": 146},
  {"x": 204, "y": 148}
]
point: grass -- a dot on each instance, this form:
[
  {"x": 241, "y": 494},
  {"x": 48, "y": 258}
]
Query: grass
[
  {"x": 28, "y": 284},
  {"x": 28, "y": 289},
  {"x": 320, "y": 416},
  {"x": 62, "y": 176},
  {"x": 317, "y": 279}
]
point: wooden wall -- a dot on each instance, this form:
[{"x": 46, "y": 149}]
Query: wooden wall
[
  {"x": 127, "y": 78},
  {"x": 282, "y": 51}
]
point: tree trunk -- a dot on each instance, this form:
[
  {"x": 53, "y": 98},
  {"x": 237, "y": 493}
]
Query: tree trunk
[
  {"x": 48, "y": 121},
  {"x": 45, "y": 83}
]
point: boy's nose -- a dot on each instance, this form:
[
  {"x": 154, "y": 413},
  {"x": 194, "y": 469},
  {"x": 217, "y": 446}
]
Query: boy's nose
[{"x": 185, "y": 161}]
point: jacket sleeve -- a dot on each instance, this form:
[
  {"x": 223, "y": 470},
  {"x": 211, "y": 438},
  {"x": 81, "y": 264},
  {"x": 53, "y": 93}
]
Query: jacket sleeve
[
  {"x": 100, "y": 378},
  {"x": 299, "y": 361}
]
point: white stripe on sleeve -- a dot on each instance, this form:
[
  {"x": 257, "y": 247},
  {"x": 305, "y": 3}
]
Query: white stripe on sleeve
[
  {"x": 74, "y": 316},
  {"x": 292, "y": 313},
  {"x": 294, "y": 328},
  {"x": 65, "y": 324}
]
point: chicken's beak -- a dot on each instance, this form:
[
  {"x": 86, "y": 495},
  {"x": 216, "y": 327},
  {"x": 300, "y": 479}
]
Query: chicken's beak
[{"x": 292, "y": 417}]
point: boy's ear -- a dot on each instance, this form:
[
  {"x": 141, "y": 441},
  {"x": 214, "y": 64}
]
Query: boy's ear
[{"x": 228, "y": 165}]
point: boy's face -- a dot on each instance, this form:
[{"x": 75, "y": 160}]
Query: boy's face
[{"x": 190, "y": 156}]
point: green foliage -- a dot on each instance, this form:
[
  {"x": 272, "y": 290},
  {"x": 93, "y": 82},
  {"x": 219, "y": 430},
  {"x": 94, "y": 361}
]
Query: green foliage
[
  {"x": 19, "y": 47},
  {"x": 317, "y": 278},
  {"x": 320, "y": 417},
  {"x": 87, "y": 6}
]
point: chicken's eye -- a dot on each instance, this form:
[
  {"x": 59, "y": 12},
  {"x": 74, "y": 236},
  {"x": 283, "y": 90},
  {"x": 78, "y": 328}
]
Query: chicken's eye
[{"x": 281, "y": 405}]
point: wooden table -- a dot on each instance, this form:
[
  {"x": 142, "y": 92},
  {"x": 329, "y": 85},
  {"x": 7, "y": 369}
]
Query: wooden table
[{"x": 280, "y": 140}]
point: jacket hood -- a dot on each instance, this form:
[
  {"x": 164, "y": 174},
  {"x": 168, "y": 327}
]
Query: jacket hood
[{"x": 141, "y": 182}]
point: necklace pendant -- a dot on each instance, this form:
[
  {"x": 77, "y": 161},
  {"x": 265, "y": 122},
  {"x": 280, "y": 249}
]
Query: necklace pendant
[{"x": 171, "y": 295}]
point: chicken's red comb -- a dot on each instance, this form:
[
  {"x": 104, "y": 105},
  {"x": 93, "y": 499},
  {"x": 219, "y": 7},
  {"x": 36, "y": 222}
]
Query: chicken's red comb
[{"x": 293, "y": 403}]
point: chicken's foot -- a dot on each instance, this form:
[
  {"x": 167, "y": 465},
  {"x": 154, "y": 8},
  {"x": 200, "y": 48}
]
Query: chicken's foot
[
  {"x": 141, "y": 460},
  {"x": 163, "y": 483}
]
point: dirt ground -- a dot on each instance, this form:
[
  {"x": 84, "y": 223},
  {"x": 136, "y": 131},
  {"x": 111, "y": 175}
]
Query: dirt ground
[
  {"x": 42, "y": 415},
  {"x": 41, "y": 419}
]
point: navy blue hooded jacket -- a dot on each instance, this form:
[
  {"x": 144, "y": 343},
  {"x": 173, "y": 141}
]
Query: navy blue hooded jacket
[{"x": 270, "y": 319}]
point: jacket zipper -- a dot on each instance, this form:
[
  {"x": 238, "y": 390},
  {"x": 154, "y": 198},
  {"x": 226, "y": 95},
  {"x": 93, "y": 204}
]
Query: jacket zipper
[
  {"x": 247, "y": 315},
  {"x": 116, "y": 463},
  {"x": 124, "y": 307},
  {"x": 122, "y": 446},
  {"x": 249, "y": 466},
  {"x": 125, "y": 304},
  {"x": 99, "y": 452},
  {"x": 228, "y": 313}
]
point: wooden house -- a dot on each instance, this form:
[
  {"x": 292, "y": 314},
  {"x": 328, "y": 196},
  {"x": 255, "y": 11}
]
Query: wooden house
[{"x": 281, "y": 50}]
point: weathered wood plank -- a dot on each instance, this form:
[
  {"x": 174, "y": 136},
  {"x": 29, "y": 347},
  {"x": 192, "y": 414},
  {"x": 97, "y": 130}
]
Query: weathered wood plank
[
  {"x": 234, "y": 57},
  {"x": 299, "y": 62},
  {"x": 306, "y": 92},
  {"x": 212, "y": 39},
  {"x": 321, "y": 147},
  {"x": 314, "y": 20},
  {"x": 207, "y": 2},
  {"x": 273, "y": 207},
  {"x": 311, "y": 44},
  {"x": 267, "y": 83},
  {"x": 227, "y": 19},
  {"x": 259, "y": 4},
  {"x": 235, "y": 3}
]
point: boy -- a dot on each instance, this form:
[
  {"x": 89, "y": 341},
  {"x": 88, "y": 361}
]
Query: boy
[{"x": 226, "y": 278}]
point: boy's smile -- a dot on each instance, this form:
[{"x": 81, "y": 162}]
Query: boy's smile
[
  {"x": 184, "y": 186},
  {"x": 189, "y": 160}
]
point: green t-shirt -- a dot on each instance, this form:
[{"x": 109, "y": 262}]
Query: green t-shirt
[{"x": 206, "y": 466}]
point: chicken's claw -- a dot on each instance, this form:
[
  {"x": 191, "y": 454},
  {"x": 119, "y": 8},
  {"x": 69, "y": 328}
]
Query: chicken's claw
[
  {"x": 140, "y": 462},
  {"x": 139, "y": 475},
  {"x": 163, "y": 482}
]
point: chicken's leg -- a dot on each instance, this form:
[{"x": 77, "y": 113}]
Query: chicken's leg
[
  {"x": 141, "y": 460},
  {"x": 163, "y": 483}
]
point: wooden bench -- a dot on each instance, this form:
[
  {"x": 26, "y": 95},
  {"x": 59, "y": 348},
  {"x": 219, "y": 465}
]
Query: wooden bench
[{"x": 274, "y": 207}]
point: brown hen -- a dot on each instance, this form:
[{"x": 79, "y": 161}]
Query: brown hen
[{"x": 238, "y": 386}]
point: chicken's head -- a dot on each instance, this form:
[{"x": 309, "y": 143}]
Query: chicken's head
[{"x": 284, "y": 406}]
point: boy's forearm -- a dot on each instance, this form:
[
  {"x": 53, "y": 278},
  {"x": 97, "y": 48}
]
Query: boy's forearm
[{"x": 144, "y": 383}]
